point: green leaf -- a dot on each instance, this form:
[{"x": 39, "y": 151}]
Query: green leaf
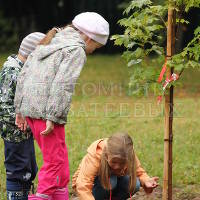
[
  {"x": 134, "y": 62},
  {"x": 138, "y": 52},
  {"x": 191, "y": 4},
  {"x": 197, "y": 31},
  {"x": 155, "y": 27},
  {"x": 182, "y": 21},
  {"x": 179, "y": 67},
  {"x": 132, "y": 44},
  {"x": 137, "y": 4}
]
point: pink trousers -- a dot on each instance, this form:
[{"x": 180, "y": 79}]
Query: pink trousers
[{"x": 54, "y": 175}]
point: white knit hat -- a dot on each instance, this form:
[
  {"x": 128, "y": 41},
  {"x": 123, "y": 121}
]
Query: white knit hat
[
  {"x": 93, "y": 25},
  {"x": 29, "y": 43}
]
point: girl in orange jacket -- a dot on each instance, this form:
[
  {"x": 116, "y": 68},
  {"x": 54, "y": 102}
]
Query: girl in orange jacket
[{"x": 111, "y": 170}]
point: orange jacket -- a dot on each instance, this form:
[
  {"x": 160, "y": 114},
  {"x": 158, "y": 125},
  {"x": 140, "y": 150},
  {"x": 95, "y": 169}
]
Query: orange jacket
[{"x": 83, "y": 179}]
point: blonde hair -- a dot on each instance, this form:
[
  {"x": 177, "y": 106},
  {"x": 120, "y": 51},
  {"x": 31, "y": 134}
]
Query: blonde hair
[
  {"x": 51, "y": 34},
  {"x": 120, "y": 145},
  {"x": 47, "y": 39}
]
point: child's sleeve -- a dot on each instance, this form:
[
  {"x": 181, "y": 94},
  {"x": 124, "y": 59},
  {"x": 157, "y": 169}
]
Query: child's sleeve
[
  {"x": 8, "y": 84},
  {"x": 63, "y": 84},
  {"x": 88, "y": 170},
  {"x": 140, "y": 172}
]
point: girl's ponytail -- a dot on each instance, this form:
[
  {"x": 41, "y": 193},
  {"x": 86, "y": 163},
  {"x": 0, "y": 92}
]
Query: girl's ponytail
[{"x": 47, "y": 39}]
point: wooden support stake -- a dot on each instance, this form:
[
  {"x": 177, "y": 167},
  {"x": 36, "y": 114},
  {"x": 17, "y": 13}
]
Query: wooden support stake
[{"x": 168, "y": 135}]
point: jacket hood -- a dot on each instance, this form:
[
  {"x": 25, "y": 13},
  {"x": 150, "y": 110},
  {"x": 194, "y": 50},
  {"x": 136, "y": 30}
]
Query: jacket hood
[
  {"x": 96, "y": 147},
  {"x": 67, "y": 37}
]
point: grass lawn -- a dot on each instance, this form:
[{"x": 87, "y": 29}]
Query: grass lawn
[{"x": 101, "y": 107}]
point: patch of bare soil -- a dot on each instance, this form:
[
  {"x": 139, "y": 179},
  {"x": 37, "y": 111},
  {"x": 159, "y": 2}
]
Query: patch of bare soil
[
  {"x": 186, "y": 193},
  {"x": 178, "y": 194}
]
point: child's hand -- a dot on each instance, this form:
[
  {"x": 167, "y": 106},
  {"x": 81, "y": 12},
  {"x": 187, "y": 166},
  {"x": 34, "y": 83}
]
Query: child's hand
[
  {"x": 49, "y": 128},
  {"x": 20, "y": 121},
  {"x": 150, "y": 185}
]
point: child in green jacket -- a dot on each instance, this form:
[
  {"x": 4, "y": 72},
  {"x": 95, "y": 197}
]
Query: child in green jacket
[{"x": 20, "y": 163}]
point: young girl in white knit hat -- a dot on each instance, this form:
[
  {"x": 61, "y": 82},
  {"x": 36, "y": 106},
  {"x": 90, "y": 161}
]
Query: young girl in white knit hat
[
  {"x": 20, "y": 163},
  {"x": 44, "y": 91}
]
